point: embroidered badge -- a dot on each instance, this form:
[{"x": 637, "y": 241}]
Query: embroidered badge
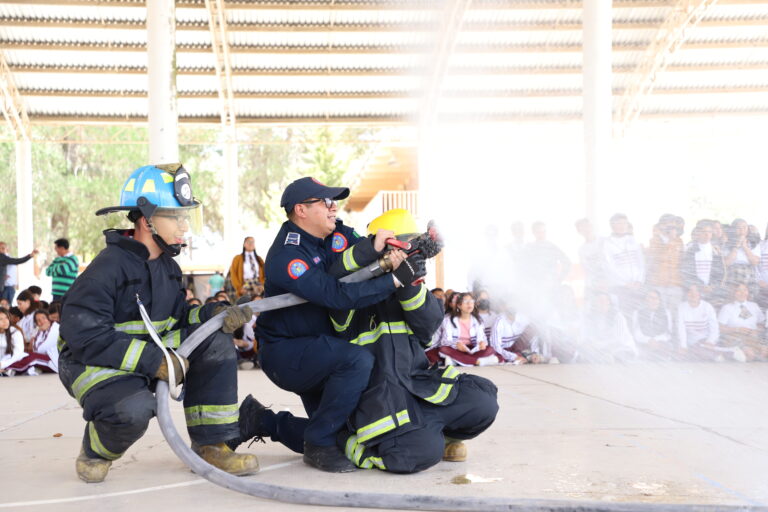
[
  {"x": 296, "y": 268},
  {"x": 292, "y": 239},
  {"x": 339, "y": 242},
  {"x": 316, "y": 259}
]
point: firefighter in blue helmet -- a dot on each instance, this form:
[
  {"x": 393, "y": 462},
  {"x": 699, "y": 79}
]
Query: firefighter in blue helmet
[
  {"x": 298, "y": 349},
  {"x": 108, "y": 361},
  {"x": 411, "y": 414}
]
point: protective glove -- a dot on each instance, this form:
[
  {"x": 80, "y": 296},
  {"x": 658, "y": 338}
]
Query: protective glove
[
  {"x": 235, "y": 317},
  {"x": 162, "y": 372},
  {"x": 412, "y": 270}
]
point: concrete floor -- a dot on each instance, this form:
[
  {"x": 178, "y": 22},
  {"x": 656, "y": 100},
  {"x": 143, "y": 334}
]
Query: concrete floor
[{"x": 649, "y": 433}]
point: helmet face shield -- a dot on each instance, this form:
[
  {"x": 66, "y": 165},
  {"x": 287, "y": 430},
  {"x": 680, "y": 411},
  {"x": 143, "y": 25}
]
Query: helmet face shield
[{"x": 175, "y": 223}]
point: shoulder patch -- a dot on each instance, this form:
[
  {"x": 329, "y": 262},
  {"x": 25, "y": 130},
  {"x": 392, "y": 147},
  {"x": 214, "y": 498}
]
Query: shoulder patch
[
  {"x": 339, "y": 242},
  {"x": 296, "y": 268},
  {"x": 292, "y": 239}
]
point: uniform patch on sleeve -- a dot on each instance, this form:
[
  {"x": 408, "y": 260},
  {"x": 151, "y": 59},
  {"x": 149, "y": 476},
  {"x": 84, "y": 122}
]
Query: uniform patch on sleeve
[
  {"x": 292, "y": 239},
  {"x": 296, "y": 268},
  {"x": 316, "y": 259},
  {"x": 339, "y": 242}
]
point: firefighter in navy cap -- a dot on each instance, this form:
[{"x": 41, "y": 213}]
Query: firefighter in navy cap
[
  {"x": 108, "y": 361},
  {"x": 298, "y": 349},
  {"x": 412, "y": 414}
]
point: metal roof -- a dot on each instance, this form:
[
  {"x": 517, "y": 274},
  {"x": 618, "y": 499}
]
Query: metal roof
[{"x": 369, "y": 60}]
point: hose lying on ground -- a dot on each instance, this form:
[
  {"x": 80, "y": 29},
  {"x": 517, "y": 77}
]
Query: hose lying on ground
[{"x": 364, "y": 499}]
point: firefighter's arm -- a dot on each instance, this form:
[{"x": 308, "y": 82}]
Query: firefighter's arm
[
  {"x": 358, "y": 256},
  {"x": 341, "y": 319},
  {"x": 421, "y": 309},
  {"x": 88, "y": 327}
]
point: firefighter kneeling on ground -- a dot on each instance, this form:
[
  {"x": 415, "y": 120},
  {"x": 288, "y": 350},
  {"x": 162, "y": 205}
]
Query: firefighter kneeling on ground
[
  {"x": 411, "y": 415},
  {"x": 108, "y": 361}
]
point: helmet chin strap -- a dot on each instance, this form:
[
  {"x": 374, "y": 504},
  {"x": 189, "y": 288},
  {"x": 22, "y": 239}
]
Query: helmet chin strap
[{"x": 171, "y": 250}]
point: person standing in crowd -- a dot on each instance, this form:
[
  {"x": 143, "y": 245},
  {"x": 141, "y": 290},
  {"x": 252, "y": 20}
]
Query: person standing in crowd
[
  {"x": 108, "y": 361},
  {"x": 698, "y": 332},
  {"x": 590, "y": 258},
  {"x": 42, "y": 354},
  {"x": 11, "y": 344},
  {"x": 702, "y": 263},
  {"x": 664, "y": 252},
  {"x": 298, "y": 349},
  {"x": 742, "y": 256},
  {"x": 5, "y": 260},
  {"x": 652, "y": 328},
  {"x": 247, "y": 269},
  {"x": 742, "y": 326},
  {"x": 463, "y": 340},
  {"x": 216, "y": 283},
  {"x": 624, "y": 265},
  {"x": 63, "y": 270},
  {"x": 546, "y": 264},
  {"x": 11, "y": 283}
]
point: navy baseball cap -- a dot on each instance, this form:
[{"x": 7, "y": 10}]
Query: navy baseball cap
[{"x": 305, "y": 188}]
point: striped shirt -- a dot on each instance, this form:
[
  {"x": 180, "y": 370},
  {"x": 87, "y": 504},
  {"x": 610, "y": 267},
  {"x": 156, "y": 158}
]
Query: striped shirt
[
  {"x": 63, "y": 270},
  {"x": 697, "y": 324}
]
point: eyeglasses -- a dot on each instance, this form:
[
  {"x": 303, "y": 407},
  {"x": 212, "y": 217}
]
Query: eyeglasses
[
  {"x": 180, "y": 219},
  {"x": 329, "y": 203}
]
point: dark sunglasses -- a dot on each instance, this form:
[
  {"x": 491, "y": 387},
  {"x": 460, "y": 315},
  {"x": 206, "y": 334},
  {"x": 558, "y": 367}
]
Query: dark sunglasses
[{"x": 329, "y": 203}]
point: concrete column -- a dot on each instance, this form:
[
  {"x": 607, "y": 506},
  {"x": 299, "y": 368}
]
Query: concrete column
[
  {"x": 597, "y": 95},
  {"x": 161, "y": 54},
  {"x": 232, "y": 227},
  {"x": 24, "y": 221}
]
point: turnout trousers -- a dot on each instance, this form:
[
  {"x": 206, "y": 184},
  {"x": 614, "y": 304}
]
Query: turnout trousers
[
  {"x": 329, "y": 374},
  {"x": 118, "y": 412},
  {"x": 473, "y": 411}
]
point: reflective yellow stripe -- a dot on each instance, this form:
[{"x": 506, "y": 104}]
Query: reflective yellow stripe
[
  {"x": 416, "y": 301},
  {"x": 92, "y": 376},
  {"x": 373, "y": 336},
  {"x": 172, "y": 339},
  {"x": 132, "y": 355},
  {"x": 341, "y": 328},
  {"x": 349, "y": 260},
  {"x": 354, "y": 452},
  {"x": 445, "y": 389},
  {"x": 138, "y": 327},
  {"x": 382, "y": 426},
  {"x": 211, "y": 414},
  {"x": 194, "y": 315},
  {"x": 96, "y": 445},
  {"x": 60, "y": 344}
]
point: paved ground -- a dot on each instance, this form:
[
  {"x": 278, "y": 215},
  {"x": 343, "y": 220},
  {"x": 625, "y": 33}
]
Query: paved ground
[{"x": 652, "y": 433}]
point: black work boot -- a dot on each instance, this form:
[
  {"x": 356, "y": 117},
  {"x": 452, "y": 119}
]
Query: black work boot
[
  {"x": 256, "y": 421},
  {"x": 327, "y": 458}
]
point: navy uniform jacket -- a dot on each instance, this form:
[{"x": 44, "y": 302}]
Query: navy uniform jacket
[
  {"x": 396, "y": 331},
  {"x": 299, "y": 263},
  {"x": 102, "y": 335}
]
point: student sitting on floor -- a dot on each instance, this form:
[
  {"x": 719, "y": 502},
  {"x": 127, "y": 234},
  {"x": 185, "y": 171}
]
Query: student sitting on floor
[
  {"x": 741, "y": 325},
  {"x": 42, "y": 353},
  {"x": 11, "y": 344},
  {"x": 463, "y": 340}
]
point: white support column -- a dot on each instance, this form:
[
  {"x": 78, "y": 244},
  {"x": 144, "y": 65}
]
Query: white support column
[
  {"x": 597, "y": 113},
  {"x": 161, "y": 69},
  {"x": 232, "y": 228},
  {"x": 24, "y": 201}
]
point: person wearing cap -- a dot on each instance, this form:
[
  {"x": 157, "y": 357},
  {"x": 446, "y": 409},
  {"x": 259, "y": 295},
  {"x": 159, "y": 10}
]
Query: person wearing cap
[
  {"x": 412, "y": 414},
  {"x": 108, "y": 361},
  {"x": 298, "y": 348}
]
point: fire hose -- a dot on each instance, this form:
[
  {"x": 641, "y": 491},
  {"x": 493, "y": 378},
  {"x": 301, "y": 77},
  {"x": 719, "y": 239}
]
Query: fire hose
[{"x": 365, "y": 499}]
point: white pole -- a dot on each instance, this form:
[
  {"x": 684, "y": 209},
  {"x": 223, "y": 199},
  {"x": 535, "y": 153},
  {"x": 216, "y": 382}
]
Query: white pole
[
  {"x": 24, "y": 221},
  {"x": 232, "y": 227},
  {"x": 161, "y": 54},
  {"x": 597, "y": 92}
]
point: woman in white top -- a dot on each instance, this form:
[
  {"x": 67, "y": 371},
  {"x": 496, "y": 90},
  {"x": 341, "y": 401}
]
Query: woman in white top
[
  {"x": 742, "y": 256},
  {"x": 513, "y": 338},
  {"x": 605, "y": 336},
  {"x": 28, "y": 305},
  {"x": 43, "y": 354},
  {"x": 463, "y": 340},
  {"x": 652, "y": 328},
  {"x": 741, "y": 325},
  {"x": 11, "y": 343},
  {"x": 698, "y": 332}
]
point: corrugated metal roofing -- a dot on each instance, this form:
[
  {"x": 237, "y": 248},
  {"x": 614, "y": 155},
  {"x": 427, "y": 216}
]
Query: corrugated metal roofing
[{"x": 362, "y": 60}]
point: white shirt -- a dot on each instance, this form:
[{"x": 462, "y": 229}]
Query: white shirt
[
  {"x": 13, "y": 275},
  {"x": 248, "y": 272},
  {"x": 28, "y": 326},
  {"x": 703, "y": 260},
  {"x": 591, "y": 259},
  {"x": 624, "y": 261},
  {"x": 698, "y": 324},
  {"x": 762, "y": 268},
  {"x": 45, "y": 343},
  {"x": 504, "y": 335},
  {"x": 17, "y": 344},
  {"x": 732, "y": 315},
  {"x": 741, "y": 255}
]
